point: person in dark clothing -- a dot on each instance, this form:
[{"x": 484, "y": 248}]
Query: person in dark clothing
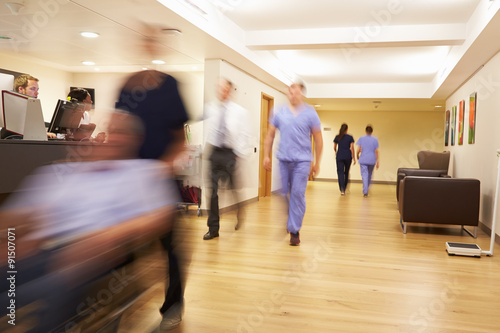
[
  {"x": 154, "y": 97},
  {"x": 343, "y": 145}
]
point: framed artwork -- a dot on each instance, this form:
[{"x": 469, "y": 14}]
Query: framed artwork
[
  {"x": 461, "y": 110},
  {"x": 453, "y": 124},
  {"x": 447, "y": 128},
  {"x": 472, "y": 118}
]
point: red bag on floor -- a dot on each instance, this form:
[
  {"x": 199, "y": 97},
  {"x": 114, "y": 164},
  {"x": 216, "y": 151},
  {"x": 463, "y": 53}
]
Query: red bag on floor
[{"x": 193, "y": 194}]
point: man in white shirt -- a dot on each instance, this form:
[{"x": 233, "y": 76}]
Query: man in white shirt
[{"x": 227, "y": 134}]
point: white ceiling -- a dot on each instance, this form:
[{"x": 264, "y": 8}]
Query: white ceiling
[{"x": 345, "y": 51}]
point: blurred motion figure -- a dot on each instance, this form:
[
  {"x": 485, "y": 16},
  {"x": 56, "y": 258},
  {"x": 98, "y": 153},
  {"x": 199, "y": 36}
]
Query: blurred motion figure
[
  {"x": 296, "y": 123},
  {"x": 80, "y": 220},
  {"x": 153, "y": 96},
  {"x": 228, "y": 140}
]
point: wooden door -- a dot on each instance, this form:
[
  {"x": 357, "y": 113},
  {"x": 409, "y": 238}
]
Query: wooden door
[{"x": 265, "y": 177}]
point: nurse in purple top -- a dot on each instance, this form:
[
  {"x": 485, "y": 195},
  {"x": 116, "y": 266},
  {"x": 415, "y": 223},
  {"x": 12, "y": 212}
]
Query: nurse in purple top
[
  {"x": 369, "y": 158},
  {"x": 296, "y": 123}
]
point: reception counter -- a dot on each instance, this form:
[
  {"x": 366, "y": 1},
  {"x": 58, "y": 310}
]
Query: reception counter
[{"x": 19, "y": 158}]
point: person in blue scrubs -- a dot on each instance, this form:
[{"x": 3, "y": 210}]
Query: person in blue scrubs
[
  {"x": 368, "y": 157},
  {"x": 296, "y": 123}
]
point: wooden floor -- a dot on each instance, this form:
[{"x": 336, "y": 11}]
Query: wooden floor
[{"x": 355, "y": 271}]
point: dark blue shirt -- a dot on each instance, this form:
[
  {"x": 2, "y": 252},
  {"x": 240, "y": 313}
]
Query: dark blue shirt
[
  {"x": 161, "y": 110},
  {"x": 344, "y": 147}
]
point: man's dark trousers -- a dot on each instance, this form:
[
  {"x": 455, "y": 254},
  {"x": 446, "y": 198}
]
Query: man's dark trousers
[{"x": 222, "y": 167}]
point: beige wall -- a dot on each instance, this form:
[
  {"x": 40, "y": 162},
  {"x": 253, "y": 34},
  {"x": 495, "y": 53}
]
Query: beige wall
[
  {"x": 479, "y": 160},
  {"x": 54, "y": 84},
  {"x": 401, "y": 135},
  {"x": 107, "y": 87}
]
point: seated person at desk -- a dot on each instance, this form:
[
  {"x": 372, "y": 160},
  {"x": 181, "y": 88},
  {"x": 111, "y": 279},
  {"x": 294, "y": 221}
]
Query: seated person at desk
[
  {"x": 27, "y": 85},
  {"x": 82, "y": 96}
]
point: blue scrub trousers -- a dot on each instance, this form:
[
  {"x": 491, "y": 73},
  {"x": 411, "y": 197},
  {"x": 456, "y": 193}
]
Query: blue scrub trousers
[
  {"x": 294, "y": 177},
  {"x": 366, "y": 175}
]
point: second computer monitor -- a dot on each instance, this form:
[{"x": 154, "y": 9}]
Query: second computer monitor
[{"x": 66, "y": 117}]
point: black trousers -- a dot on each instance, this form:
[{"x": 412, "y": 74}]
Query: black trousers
[
  {"x": 174, "y": 289},
  {"x": 343, "y": 167},
  {"x": 222, "y": 167}
]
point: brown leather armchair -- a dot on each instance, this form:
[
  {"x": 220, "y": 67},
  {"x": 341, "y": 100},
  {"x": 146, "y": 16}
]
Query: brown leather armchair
[
  {"x": 430, "y": 164},
  {"x": 439, "y": 200}
]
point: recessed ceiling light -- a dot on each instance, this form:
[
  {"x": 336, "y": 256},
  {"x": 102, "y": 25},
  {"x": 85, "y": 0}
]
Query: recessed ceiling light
[
  {"x": 317, "y": 105},
  {"x": 97, "y": 69},
  {"x": 88, "y": 63},
  {"x": 158, "y": 62},
  {"x": 89, "y": 34},
  {"x": 438, "y": 106}
]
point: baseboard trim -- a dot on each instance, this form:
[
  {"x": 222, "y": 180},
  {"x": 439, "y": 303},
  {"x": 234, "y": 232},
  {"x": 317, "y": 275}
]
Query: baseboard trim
[
  {"x": 487, "y": 230},
  {"x": 483, "y": 227},
  {"x": 357, "y": 181},
  {"x": 233, "y": 207}
]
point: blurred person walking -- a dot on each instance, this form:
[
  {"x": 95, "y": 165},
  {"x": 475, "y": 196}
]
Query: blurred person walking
[
  {"x": 343, "y": 145},
  {"x": 368, "y": 157},
  {"x": 296, "y": 123},
  {"x": 154, "y": 97},
  {"x": 77, "y": 222},
  {"x": 227, "y": 127}
]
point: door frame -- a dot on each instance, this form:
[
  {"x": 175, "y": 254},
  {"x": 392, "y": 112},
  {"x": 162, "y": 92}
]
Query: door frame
[{"x": 265, "y": 177}]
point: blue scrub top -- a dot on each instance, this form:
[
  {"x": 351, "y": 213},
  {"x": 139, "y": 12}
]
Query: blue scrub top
[
  {"x": 295, "y": 132},
  {"x": 368, "y": 146}
]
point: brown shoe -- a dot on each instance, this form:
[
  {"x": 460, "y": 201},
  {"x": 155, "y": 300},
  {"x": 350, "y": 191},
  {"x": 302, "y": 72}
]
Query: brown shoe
[
  {"x": 210, "y": 235},
  {"x": 294, "y": 239}
]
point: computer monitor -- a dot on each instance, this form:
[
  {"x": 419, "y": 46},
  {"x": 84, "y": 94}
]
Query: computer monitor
[
  {"x": 66, "y": 117},
  {"x": 23, "y": 115},
  {"x": 6, "y": 83}
]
